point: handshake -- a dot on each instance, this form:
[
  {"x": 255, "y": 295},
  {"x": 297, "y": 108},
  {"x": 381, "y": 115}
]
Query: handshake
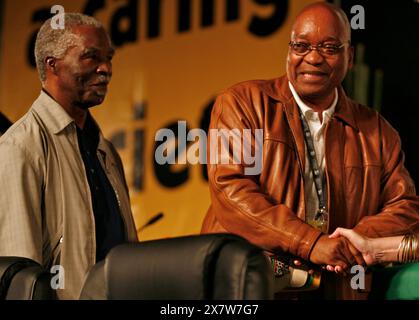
[
  {"x": 345, "y": 247},
  {"x": 339, "y": 251}
]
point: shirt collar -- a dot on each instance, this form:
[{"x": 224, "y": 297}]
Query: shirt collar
[
  {"x": 52, "y": 114},
  {"x": 307, "y": 111}
]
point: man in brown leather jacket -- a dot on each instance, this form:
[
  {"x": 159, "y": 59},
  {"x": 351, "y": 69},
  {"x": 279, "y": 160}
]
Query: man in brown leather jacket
[{"x": 359, "y": 162}]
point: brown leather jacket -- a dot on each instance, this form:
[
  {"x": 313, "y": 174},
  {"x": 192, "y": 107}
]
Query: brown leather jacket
[{"x": 368, "y": 186}]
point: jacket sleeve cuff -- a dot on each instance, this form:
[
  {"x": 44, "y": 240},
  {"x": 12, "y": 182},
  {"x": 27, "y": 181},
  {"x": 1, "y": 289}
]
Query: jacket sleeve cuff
[{"x": 304, "y": 241}]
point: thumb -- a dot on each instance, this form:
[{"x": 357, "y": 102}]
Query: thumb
[{"x": 339, "y": 232}]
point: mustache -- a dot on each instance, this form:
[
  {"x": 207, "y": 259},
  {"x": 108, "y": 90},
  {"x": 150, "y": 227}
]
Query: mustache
[
  {"x": 91, "y": 81},
  {"x": 102, "y": 79}
]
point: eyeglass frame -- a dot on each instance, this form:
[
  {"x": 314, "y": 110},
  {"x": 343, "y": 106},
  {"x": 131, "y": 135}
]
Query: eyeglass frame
[{"x": 311, "y": 47}]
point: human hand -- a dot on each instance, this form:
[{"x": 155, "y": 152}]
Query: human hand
[
  {"x": 337, "y": 252},
  {"x": 358, "y": 258},
  {"x": 361, "y": 243}
]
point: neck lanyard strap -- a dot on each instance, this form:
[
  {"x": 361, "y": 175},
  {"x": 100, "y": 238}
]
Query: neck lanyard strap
[{"x": 317, "y": 174}]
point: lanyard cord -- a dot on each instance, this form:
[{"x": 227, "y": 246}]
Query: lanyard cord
[{"x": 317, "y": 176}]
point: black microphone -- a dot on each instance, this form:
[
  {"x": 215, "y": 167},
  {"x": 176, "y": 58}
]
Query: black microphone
[{"x": 153, "y": 220}]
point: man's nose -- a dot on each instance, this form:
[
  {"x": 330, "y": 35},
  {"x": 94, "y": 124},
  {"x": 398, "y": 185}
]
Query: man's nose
[
  {"x": 105, "y": 68},
  {"x": 314, "y": 57}
]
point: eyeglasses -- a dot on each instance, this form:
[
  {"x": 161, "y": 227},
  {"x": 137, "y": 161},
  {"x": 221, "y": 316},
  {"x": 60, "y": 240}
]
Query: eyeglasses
[{"x": 302, "y": 48}]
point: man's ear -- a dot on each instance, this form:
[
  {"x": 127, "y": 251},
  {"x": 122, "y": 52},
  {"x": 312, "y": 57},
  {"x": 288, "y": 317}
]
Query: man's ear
[{"x": 51, "y": 64}]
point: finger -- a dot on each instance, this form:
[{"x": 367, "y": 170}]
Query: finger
[
  {"x": 339, "y": 254},
  {"x": 347, "y": 254},
  {"x": 297, "y": 262},
  {"x": 354, "y": 255},
  {"x": 330, "y": 268},
  {"x": 336, "y": 254},
  {"x": 340, "y": 266},
  {"x": 341, "y": 232},
  {"x": 335, "y": 233},
  {"x": 344, "y": 259},
  {"x": 340, "y": 270},
  {"x": 359, "y": 259}
]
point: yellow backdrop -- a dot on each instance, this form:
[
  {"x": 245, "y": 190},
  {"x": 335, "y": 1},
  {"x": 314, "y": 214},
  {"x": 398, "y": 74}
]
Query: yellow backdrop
[{"x": 169, "y": 65}]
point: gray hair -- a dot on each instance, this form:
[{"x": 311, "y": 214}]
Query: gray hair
[{"x": 52, "y": 42}]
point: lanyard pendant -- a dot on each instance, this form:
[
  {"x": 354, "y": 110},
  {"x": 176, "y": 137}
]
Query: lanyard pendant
[
  {"x": 320, "y": 220},
  {"x": 321, "y": 214}
]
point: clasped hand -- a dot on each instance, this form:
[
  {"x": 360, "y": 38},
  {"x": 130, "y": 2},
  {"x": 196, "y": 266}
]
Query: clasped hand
[{"x": 341, "y": 250}]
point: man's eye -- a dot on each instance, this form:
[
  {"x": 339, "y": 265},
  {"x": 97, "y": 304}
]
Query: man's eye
[
  {"x": 91, "y": 56},
  {"x": 298, "y": 46},
  {"x": 329, "y": 48}
]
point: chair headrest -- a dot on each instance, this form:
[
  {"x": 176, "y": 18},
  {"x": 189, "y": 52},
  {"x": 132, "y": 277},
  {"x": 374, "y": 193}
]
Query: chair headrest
[
  {"x": 201, "y": 267},
  {"x": 176, "y": 268}
]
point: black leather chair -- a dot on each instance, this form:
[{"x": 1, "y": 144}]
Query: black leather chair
[
  {"x": 24, "y": 279},
  {"x": 215, "y": 266}
]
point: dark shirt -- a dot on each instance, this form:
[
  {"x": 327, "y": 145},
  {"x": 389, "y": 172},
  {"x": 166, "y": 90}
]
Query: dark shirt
[
  {"x": 4, "y": 123},
  {"x": 109, "y": 225}
]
